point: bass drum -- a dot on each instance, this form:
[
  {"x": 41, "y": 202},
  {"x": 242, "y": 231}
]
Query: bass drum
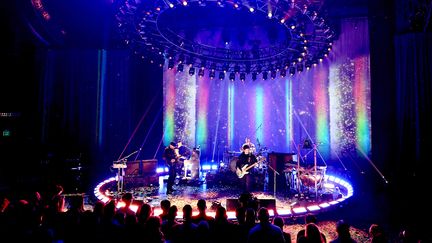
[{"x": 233, "y": 164}]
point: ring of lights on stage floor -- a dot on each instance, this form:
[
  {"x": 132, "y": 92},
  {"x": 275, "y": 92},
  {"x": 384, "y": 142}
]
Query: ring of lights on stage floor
[{"x": 345, "y": 191}]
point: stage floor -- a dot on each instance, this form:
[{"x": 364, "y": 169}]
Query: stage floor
[{"x": 225, "y": 191}]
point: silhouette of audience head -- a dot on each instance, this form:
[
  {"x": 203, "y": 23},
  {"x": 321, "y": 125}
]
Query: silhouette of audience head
[
  {"x": 201, "y": 204},
  {"x": 310, "y": 218},
  {"x": 278, "y": 221},
  {"x": 172, "y": 212},
  {"x": 263, "y": 215},
  {"x": 221, "y": 213},
  {"x": 377, "y": 233},
  {"x": 165, "y": 205},
  {"x": 187, "y": 212},
  {"x": 312, "y": 233},
  {"x": 342, "y": 228}
]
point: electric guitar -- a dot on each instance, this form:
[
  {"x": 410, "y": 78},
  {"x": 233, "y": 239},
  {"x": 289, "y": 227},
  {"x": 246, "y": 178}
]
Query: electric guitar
[{"x": 244, "y": 170}]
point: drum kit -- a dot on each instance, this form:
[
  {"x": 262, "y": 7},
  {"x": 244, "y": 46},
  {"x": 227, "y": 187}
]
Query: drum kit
[{"x": 305, "y": 178}]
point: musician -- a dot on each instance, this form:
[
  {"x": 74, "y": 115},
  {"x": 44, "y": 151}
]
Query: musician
[
  {"x": 183, "y": 151},
  {"x": 170, "y": 157},
  {"x": 246, "y": 159},
  {"x": 248, "y": 142}
]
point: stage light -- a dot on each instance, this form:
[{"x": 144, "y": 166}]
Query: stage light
[
  {"x": 232, "y": 76},
  {"x": 299, "y": 67},
  {"x": 221, "y": 75},
  {"x": 283, "y": 72},
  {"x": 201, "y": 72},
  {"x": 254, "y": 76},
  {"x": 190, "y": 62},
  {"x": 292, "y": 71},
  {"x": 315, "y": 62},
  {"x": 212, "y": 74},
  {"x": 180, "y": 67},
  {"x": 242, "y": 76},
  {"x": 225, "y": 67},
  {"x": 228, "y": 58},
  {"x": 308, "y": 64},
  {"x": 273, "y": 74},
  {"x": 170, "y": 64},
  {"x": 264, "y": 75},
  {"x": 191, "y": 71}
]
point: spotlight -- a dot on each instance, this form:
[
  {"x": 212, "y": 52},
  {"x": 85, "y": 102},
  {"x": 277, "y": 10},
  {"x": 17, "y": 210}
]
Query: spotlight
[
  {"x": 292, "y": 70},
  {"x": 221, "y": 75},
  {"x": 212, "y": 74},
  {"x": 225, "y": 67},
  {"x": 308, "y": 64},
  {"x": 171, "y": 5},
  {"x": 170, "y": 64},
  {"x": 254, "y": 76},
  {"x": 264, "y": 75},
  {"x": 181, "y": 59},
  {"x": 232, "y": 76},
  {"x": 315, "y": 62},
  {"x": 191, "y": 71},
  {"x": 201, "y": 72},
  {"x": 242, "y": 76},
  {"x": 251, "y": 9},
  {"x": 236, "y": 68},
  {"x": 180, "y": 67},
  {"x": 283, "y": 72},
  {"x": 185, "y": 3},
  {"x": 273, "y": 74},
  {"x": 300, "y": 67}
]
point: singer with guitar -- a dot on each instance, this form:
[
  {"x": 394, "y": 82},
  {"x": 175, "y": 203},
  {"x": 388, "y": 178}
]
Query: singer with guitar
[{"x": 244, "y": 166}]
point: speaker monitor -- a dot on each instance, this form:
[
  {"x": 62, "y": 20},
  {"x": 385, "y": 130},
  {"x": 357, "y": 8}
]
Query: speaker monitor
[
  {"x": 268, "y": 203},
  {"x": 232, "y": 204}
]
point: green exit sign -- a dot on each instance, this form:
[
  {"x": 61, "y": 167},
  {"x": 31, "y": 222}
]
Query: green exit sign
[{"x": 6, "y": 133}]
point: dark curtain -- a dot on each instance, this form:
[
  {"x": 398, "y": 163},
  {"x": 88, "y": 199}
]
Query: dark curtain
[
  {"x": 414, "y": 102},
  {"x": 91, "y": 102}
]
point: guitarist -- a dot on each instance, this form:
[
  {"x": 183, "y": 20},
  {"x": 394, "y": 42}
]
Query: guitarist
[
  {"x": 170, "y": 158},
  {"x": 245, "y": 160}
]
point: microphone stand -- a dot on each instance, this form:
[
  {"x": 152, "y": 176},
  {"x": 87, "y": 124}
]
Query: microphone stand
[{"x": 274, "y": 180}]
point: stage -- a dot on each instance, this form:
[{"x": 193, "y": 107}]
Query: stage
[{"x": 222, "y": 188}]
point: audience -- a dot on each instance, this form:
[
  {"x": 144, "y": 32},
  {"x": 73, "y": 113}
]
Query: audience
[
  {"x": 265, "y": 231},
  {"x": 278, "y": 221},
  {"x": 309, "y": 218},
  {"x": 42, "y": 217},
  {"x": 343, "y": 231}
]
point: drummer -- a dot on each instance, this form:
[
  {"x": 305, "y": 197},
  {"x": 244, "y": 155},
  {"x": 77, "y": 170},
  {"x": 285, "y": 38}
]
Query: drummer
[{"x": 248, "y": 142}]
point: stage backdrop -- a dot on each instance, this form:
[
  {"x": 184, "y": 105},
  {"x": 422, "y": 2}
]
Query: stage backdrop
[{"x": 329, "y": 104}]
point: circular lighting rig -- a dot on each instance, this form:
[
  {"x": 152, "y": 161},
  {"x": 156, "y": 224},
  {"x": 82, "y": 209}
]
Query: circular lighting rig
[{"x": 158, "y": 29}]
